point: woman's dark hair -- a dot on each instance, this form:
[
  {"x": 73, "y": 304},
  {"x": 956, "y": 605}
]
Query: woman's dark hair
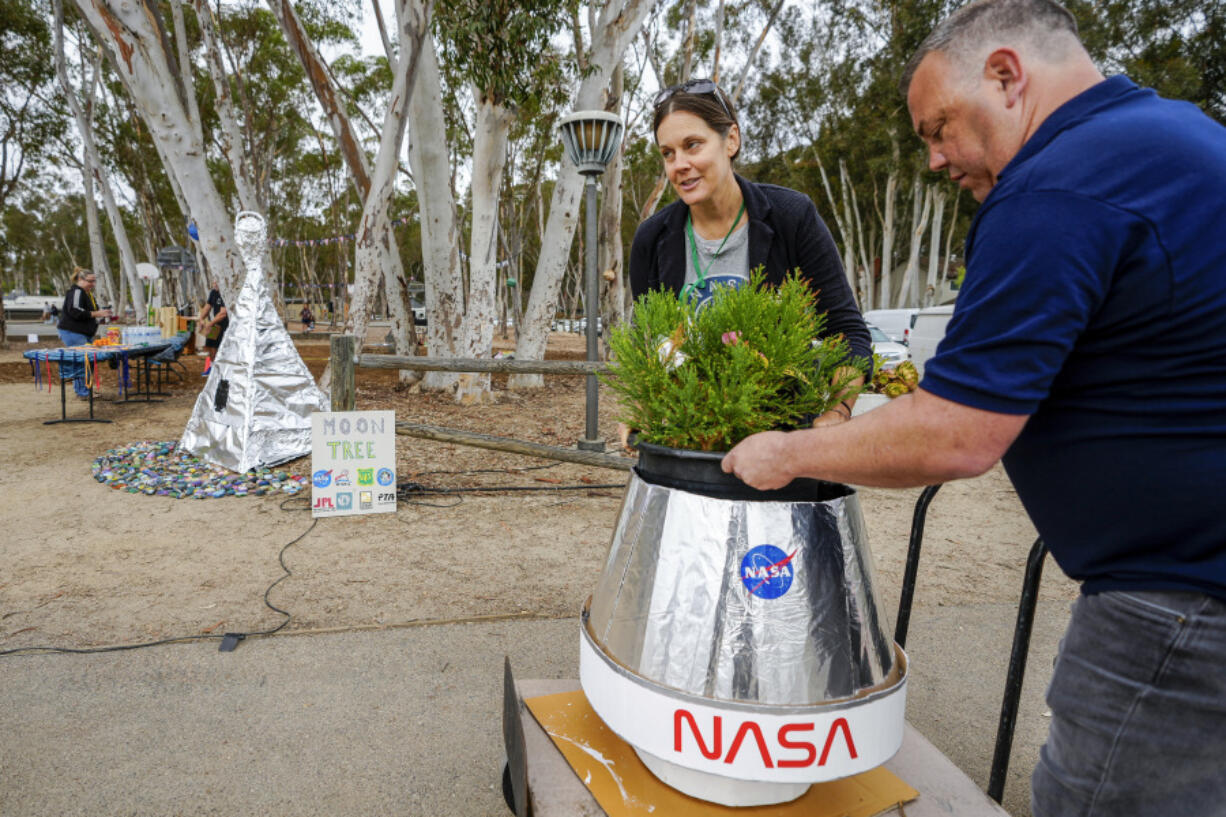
[{"x": 717, "y": 112}]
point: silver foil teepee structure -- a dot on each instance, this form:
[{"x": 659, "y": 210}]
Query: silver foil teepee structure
[{"x": 255, "y": 409}]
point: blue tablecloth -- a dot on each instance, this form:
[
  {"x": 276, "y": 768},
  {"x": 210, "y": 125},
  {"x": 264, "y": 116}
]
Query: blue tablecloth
[{"x": 81, "y": 354}]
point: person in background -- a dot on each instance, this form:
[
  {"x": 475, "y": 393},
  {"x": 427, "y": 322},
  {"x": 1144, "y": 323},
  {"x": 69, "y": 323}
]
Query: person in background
[
  {"x": 78, "y": 324},
  {"x": 1095, "y": 269},
  {"x": 308, "y": 320},
  {"x": 213, "y": 316}
]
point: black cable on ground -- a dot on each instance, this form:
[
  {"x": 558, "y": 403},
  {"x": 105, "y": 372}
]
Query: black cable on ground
[
  {"x": 228, "y": 639},
  {"x": 404, "y": 490}
]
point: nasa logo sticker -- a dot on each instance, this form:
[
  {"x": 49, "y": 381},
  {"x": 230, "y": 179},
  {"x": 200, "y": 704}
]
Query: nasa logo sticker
[
  {"x": 767, "y": 572},
  {"x": 322, "y": 478}
]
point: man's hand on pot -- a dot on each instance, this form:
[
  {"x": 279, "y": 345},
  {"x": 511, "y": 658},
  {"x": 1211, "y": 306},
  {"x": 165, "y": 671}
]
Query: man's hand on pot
[{"x": 760, "y": 461}]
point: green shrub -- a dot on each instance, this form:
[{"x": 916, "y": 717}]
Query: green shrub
[{"x": 745, "y": 362}]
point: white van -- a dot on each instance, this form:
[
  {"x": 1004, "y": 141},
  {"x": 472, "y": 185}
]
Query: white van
[
  {"x": 894, "y": 322},
  {"x": 927, "y": 332}
]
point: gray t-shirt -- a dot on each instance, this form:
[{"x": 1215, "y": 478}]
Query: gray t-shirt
[{"x": 734, "y": 260}]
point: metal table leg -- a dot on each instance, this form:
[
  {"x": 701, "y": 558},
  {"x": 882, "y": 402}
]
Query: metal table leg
[
  {"x": 1017, "y": 669},
  {"x": 1021, "y": 635},
  {"x": 918, "y": 519},
  {"x": 64, "y": 418}
]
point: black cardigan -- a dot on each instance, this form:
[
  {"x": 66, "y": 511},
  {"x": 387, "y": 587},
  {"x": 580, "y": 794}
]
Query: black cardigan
[
  {"x": 75, "y": 316},
  {"x": 785, "y": 233}
]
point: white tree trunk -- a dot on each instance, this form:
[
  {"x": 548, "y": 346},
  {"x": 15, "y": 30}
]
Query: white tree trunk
[
  {"x": 611, "y": 255},
  {"x": 887, "y": 242},
  {"x": 851, "y": 206},
  {"x": 132, "y": 34},
  {"x": 921, "y": 207},
  {"x": 493, "y": 124},
  {"x": 619, "y": 23},
  {"x": 934, "y": 248},
  {"x": 843, "y": 223},
  {"x": 429, "y": 160},
  {"x": 230, "y": 134}
]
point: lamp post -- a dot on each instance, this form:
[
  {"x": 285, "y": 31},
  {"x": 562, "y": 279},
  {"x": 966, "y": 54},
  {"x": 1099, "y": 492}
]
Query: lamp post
[{"x": 591, "y": 138}]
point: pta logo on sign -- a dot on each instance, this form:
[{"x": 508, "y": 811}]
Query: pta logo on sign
[{"x": 790, "y": 738}]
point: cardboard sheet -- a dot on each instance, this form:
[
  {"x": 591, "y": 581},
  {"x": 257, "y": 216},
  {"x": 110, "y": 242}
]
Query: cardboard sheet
[{"x": 624, "y": 787}]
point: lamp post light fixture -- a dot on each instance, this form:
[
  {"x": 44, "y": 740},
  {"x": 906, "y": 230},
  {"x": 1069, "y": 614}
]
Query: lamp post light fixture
[{"x": 591, "y": 139}]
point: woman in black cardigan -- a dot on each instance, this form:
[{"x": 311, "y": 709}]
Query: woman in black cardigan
[{"x": 723, "y": 226}]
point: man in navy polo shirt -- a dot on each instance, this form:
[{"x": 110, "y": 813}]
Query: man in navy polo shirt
[{"x": 1082, "y": 351}]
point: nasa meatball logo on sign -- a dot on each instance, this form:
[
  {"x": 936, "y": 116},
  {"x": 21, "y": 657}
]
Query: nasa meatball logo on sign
[
  {"x": 349, "y": 447},
  {"x": 767, "y": 572}
]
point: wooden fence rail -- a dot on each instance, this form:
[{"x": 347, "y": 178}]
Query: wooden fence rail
[{"x": 345, "y": 358}]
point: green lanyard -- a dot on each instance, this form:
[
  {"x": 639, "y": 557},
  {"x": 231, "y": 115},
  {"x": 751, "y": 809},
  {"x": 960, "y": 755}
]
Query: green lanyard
[{"x": 699, "y": 273}]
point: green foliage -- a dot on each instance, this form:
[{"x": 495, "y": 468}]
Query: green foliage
[
  {"x": 32, "y": 115},
  {"x": 743, "y": 363},
  {"x": 1176, "y": 47}
]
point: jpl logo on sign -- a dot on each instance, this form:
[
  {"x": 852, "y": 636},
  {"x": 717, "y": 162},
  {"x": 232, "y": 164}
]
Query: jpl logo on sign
[
  {"x": 324, "y": 503},
  {"x": 767, "y": 571}
]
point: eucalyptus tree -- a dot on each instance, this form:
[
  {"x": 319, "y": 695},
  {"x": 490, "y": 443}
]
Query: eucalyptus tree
[
  {"x": 31, "y": 117},
  {"x": 840, "y": 130},
  {"x": 135, "y": 38},
  {"x": 1177, "y": 47},
  {"x": 95, "y": 174},
  {"x": 376, "y": 254},
  {"x": 611, "y": 26},
  {"x": 500, "y": 52}
]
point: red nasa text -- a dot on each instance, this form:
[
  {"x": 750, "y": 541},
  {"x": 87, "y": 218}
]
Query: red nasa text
[{"x": 789, "y": 737}]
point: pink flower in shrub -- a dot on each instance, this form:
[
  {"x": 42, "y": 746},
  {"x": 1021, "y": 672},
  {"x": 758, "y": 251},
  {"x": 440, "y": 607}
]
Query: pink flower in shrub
[{"x": 731, "y": 338}]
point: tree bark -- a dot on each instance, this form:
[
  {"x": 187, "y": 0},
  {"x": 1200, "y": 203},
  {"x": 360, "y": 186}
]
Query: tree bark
[
  {"x": 921, "y": 207},
  {"x": 429, "y": 160},
  {"x": 493, "y": 124},
  {"x": 611, "y": 254},
  {"x": 934, "y": 248}
]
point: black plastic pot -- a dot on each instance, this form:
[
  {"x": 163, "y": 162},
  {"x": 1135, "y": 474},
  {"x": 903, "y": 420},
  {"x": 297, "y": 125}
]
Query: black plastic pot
[{"x": 699, "y": 472}]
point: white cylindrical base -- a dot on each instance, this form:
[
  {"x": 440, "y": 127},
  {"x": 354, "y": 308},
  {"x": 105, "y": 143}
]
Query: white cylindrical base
[
  {"x": 715, "y": 788},
  {"x": 736, "y": 753}
]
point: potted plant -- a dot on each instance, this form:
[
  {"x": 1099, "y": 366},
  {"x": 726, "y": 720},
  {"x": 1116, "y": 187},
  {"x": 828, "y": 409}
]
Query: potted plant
[{"x": 695, "y": 380}]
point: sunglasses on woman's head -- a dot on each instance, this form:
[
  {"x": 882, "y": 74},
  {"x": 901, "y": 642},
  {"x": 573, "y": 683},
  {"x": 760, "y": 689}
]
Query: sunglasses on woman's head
[{"x": 697, "y": 87}]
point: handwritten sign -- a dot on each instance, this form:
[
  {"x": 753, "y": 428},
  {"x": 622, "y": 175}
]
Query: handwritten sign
[{"x": 353, "y": 462}]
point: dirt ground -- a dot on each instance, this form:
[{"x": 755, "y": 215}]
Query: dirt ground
[{"x": 85, "y": 565}]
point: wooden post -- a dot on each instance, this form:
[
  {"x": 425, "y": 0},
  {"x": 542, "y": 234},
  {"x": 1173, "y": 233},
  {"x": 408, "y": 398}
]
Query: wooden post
[{"x": 344, "y": 388}]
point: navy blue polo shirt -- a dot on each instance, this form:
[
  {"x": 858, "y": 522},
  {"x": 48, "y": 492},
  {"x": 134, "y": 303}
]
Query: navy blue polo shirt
[{"x": 1095, "y": 301}]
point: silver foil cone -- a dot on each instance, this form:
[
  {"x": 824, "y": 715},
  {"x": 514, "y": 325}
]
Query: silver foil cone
[
  {"x": 255, "y": 409},
  {"x": 754, "y": 601}
]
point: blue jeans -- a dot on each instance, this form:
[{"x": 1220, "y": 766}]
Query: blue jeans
[
  {"x": 74, "y": 369},
  {"x": 1138, "y": 702}
]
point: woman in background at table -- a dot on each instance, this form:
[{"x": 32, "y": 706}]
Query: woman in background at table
[{"x": 78, "y": 324}]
